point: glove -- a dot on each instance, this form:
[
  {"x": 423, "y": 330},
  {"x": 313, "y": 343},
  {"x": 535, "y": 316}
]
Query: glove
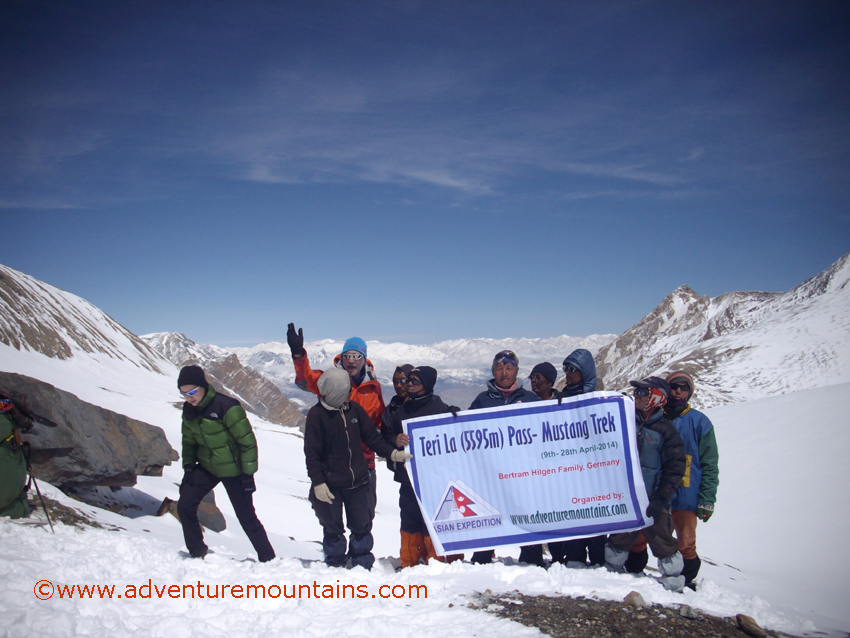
[
  {"x": 704, "y": 511},
  {"x": 400, "y": 456},
  {"x": 656, "y": 508},
  {"x": 295, "y": 340},
  {"x": 188, "y": 471},
  {"x": 323, "y": 493},
  {"x": 248, "y": 484}
]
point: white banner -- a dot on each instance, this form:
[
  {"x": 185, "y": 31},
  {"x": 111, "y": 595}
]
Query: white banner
[{"x": 528, "y": 473}]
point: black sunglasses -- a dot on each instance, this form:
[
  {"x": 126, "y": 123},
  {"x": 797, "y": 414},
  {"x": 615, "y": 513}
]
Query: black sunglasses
[
  {"x": 680, "y": 386},
  {"x": 642, "y": 392},
  {"x": 413, "y": 381},
  {"x": 402, "y": 381},
  {"x": 570, "y": 368}
]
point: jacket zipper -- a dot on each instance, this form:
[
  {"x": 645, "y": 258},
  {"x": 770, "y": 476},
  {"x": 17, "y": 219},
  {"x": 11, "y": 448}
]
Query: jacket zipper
[{"x": 348, "y": 439}]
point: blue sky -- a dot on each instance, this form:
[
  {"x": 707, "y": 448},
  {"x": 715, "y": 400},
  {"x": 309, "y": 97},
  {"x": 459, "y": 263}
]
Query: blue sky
[{"x": 419, "y": 171}]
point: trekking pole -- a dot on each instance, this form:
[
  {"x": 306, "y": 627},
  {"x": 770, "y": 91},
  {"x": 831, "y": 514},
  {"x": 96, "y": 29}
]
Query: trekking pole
[
  {"x": 41, "y": 498},
  {"x": 25, "y": 448}
]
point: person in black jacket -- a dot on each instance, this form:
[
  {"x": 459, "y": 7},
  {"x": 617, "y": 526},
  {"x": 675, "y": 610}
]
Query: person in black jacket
[
  {"x": 662, "y": 463},
  {"x": 502, "y": 389},
  {"x": 416, "y": 544},
  {"x": 579, "y": 378},
  {"x": 334, "y": 433}
]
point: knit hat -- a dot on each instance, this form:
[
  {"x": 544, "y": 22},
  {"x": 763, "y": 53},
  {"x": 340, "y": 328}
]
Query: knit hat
[
  {"x": 427, "y": 375},
  {"x": 335, "y": 387},
  {"x": 680, "y": 376},
  {"x": 192, "y": 375},
  {"x": 547, "y": 370},
  {"x": 357, "y": 344},
  {"x": 506, "y": 356}
]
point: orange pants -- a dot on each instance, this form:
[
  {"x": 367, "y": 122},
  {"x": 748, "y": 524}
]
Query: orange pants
[{"x": 685, "y": 524}]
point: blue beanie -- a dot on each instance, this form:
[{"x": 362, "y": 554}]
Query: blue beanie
[{"x": 357, "y": 344}]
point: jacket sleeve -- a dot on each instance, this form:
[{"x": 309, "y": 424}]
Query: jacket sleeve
[
  {"x": 388, "y": 427},
  {"x": 313, "y": 445},
  {"x": 370, "y": 436},
  {"x": 189, "y": 445},
  {"x": 708, "y": 459},
  {"x": 305, "y": 377},
  {"x": 674, "y": 462},
  {"x": 236, "y": 422}
]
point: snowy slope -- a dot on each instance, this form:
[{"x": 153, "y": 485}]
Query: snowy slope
[
  {"x": 38, "y": 317},
  {"x": 772, "y": 574},
  {"x": 742, "y": 345}
]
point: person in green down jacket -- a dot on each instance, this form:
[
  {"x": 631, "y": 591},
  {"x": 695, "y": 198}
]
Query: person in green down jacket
[
  {"x": 218, "y": 447},
  {"x": 13, "y": 464}
]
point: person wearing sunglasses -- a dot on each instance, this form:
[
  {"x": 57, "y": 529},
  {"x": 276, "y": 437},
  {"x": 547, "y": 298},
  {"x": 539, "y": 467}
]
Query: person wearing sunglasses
[
  {"x": 335, "y": 431},
  {"x": 218, "y": 447},
  {"x": 502, "y": 389},
  {"x": 579, "y": 378},
  {"x": 365, "y": 387},
  {"x": 696, "y": 496},
  {"x": 416, "y": 544},
  {"x": 662, "y": 463}
]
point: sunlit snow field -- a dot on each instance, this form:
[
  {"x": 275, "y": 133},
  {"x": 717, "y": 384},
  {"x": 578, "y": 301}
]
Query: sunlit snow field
[{"x": 774, "y": 541}]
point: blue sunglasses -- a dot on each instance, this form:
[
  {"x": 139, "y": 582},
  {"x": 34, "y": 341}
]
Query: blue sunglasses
[{"x": 190, "y": 393}]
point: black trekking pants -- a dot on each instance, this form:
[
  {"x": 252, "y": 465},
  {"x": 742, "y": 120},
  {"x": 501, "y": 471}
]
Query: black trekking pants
[{"x": 191, "y": 495}]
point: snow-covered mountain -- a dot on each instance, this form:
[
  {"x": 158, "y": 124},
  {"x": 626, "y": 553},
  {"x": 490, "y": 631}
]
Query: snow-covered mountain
[
  {"x": 57, "y": 337},
  {"x": 38, "y": 317},
  {"x": 742, "y": 345},
  {"x": 257, "y": 393},
  {"x": 463, "y": 364}
]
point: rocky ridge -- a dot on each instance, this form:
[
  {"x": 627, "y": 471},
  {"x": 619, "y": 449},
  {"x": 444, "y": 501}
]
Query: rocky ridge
[
  {"x": 741, "y": 345},
  {"x": 257, "y": 393}
]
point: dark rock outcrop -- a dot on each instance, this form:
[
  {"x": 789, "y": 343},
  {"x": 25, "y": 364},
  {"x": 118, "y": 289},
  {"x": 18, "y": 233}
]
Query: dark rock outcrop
[{"x": 90, "y": 446}]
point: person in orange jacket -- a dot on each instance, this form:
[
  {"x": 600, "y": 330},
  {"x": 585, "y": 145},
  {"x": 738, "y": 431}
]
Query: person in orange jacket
[{"x": 365, "y": 387}]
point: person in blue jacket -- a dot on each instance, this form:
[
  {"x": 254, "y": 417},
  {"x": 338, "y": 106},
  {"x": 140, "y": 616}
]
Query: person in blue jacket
[
  {"x": 502, "y": 389},
  {"x": 696, "y": 496},
  {"x": 662, "y": 463},
  {"x": 580, "y": 378}
]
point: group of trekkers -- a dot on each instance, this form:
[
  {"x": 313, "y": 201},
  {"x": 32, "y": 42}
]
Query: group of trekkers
[{"x": 350, "y": 423}]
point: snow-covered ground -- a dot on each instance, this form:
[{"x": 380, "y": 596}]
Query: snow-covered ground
[{"x": 774, "y": 541}]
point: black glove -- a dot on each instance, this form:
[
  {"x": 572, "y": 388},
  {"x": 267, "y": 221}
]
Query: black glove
[
  {"x": 248, "y": 483},
  {"x": 188, "y": 470},
  {"x": 656, "y": 507},
  {"x": 295, "y": 339}
]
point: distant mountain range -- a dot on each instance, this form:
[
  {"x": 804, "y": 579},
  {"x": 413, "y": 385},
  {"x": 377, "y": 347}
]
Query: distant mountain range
[
  {"x": 738, "y": 346},
  {"x": 463, "y": 365}
]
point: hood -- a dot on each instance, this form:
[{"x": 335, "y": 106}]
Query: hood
[
  {"x": 335, "y": 386},
  {"x": 583, "y": 360}
]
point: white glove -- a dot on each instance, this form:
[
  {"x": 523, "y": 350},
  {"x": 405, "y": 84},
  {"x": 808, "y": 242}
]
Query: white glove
[
  {"x": 400, "y": 456},
  {"x": 323, "y": 493}
]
